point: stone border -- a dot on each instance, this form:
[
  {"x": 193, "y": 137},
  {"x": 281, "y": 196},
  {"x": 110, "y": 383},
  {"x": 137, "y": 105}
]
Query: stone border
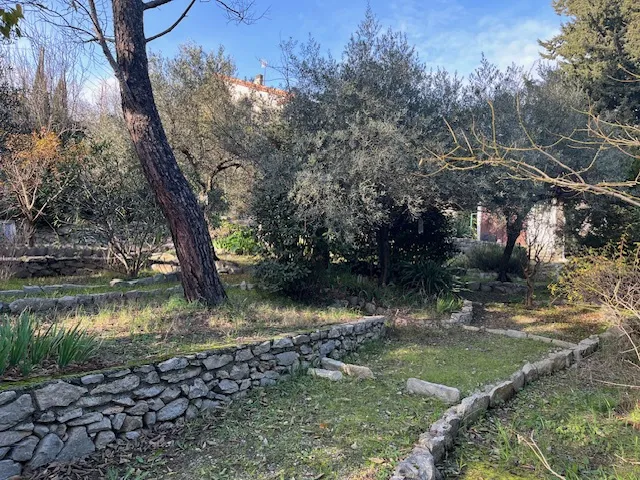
[
  {"x": 462, "y": 317},
  {"x": 69, "y": 302},
  {"x": 432, "y": 445},
  {"x": 31, "y": 289},
  {"x": 70, "y": 418},
  {"x": 496, "y": 286},
  {"x": 520, "y": 334}
]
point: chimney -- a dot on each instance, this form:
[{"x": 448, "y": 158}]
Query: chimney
[{"x": 259, "y": 80}]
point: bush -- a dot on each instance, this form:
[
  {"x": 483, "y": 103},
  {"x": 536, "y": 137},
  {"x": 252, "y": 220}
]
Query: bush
[
  {"x": 609, "y": 277},
  {"x": 292, "y": 278},
  {"x": 239, "y": 240},
  {"x": 487, "y": 258},
  {"x": 25, "y": 343},
  {"x": 426, "y": 277}
]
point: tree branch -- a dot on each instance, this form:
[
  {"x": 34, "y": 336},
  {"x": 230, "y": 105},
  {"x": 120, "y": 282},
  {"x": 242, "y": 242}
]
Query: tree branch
[{"x": 174, "y": 25}]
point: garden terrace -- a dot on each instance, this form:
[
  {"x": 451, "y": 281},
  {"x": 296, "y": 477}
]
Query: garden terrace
[{"x": 313, "y": 428}]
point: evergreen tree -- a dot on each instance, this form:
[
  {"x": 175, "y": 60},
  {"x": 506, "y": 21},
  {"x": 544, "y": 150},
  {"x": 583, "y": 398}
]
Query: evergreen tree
[{"x": 600, "y": 48}]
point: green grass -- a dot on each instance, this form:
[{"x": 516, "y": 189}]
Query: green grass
[
  {"x": 564, "y": 322},
  {"x": 310, "y": 428},
  {"x": 584, "y": 429}
]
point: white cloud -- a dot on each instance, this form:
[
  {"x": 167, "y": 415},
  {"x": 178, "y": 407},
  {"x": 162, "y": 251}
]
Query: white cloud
[{"x": 450, "y": 36}]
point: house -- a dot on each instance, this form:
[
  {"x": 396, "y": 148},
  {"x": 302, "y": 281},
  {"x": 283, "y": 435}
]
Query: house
[
  {"x": 262, "y": 96},
  {"x": 543, "y": 226}
]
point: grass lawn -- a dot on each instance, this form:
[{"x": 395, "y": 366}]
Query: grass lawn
[
  {"x": 310, "y": 428},
  {"x": 155, "y": 329},
  {"x": 564, "y": 322},
  {"x": 584, "y": 429}
]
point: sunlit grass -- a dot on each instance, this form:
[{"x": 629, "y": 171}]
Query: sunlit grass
[{"x": 585, "y": 430}]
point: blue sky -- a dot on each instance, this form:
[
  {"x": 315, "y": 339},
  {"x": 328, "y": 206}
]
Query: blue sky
[{"x": 448, "y": 33}]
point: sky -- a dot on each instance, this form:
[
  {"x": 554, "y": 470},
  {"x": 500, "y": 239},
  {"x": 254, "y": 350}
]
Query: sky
[{"x": 446, "y": 33}]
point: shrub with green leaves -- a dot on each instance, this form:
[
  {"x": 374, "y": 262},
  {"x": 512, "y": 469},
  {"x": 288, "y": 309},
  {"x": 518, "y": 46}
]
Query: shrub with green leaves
[
  {"x": 286, "y": 277},
  {"x": 26, "y": 343},
  {"x": 240, "y": 240},
  {"x": 426, "y": 277},
  {"x": 487, "y": 258}
]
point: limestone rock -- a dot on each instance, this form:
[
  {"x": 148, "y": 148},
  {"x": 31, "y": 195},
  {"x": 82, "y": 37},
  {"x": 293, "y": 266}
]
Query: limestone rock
[
  {"x": 23, "y": 451},
  {"x": 46, "y": 451},
  {"x": 77, "y": 446},
  {"x": 228, "y": 386},
  {"x": 332, "y": 375},
  {"x": 331, "y": 364},
  {"x": 104, "y": 438},
  {"x": 444, "y": 393},
  {"x": 287, "y": 358},
  {"x": 9, "y": 469},
  {"x": 176, "y": 363},
  {"x": 58, "y": 394},
  {"x": 174, "y": 409},
  {"x": 357, "y": 371},
  {"x": 217, "y": 361},
  {"x": 16, "y": 411},
  {"x": 120, "y": 385}
]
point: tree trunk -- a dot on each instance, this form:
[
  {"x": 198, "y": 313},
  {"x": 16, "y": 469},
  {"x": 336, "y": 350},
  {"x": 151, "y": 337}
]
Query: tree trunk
[
  {"x": 514, "y": 227},
  {"x": 384, "y": 254},
  {"x": 172, "y": 191}
]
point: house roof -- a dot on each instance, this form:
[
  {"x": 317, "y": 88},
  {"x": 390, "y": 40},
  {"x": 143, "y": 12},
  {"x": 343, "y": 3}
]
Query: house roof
[{"x": 257, "y": 87}]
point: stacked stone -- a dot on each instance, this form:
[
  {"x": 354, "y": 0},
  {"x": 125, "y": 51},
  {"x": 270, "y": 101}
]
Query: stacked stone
[
  {"x": 69, "y": 302},
  {"x": 464, "y": 316},
  {"x": 70, "y": 419},
  {"x": 497, "y": 287},
  {"x": 433, "y": 444}
]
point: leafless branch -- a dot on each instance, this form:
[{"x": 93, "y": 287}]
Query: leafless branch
[{"x": 174, "y": 25}]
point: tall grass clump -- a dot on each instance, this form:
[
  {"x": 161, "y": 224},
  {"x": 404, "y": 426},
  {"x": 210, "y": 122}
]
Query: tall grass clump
[{"x": 25, "y": 343}]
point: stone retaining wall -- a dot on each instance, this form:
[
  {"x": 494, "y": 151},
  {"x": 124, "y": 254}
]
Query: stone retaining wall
[
  {"x": 69, "y": 302},
  {"x": 433, "y": 444},
  {"x": 50, "y": 266},
  {"x": 68, "y": 419}
]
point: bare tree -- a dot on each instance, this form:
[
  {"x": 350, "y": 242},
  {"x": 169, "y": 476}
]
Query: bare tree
[
  {"x": 473, "y": 149},
  {"x": 119, "y": 34}
]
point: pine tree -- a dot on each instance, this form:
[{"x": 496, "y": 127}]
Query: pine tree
[
  {"x": 600, "y": 48},
  {"x": 41, "y": 107}
]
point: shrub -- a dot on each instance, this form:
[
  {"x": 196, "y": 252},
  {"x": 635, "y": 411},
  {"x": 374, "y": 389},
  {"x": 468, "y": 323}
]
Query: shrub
[
  {"x": 239, "y": 240},
  {"x": 609, "y": 277},
  {"x": 487, "y": 258},
  {"x": 426, "y": 277},
  {"x": 287, "y": 277},
  {"x": 25, "y": 343}
]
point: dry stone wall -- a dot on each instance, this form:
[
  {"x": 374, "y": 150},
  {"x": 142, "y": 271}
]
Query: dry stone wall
[
  {"x": 45, "y": 261},
  {"x": 71, "y": 418}
]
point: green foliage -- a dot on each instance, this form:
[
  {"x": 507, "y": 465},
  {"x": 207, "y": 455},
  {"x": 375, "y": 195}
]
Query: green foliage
[
  {"x": 462, "y": 226},
  {"x": 287, "y": 277},
  {"x": 75, "y": 345},
  {"x": 239, "y": 240},
  {"x": 448, "y": 304},
  {"x": 426, "y": 277},
  {"x": 25, "y": 343},
  {"x": 488, "y": 257},
  {"x": 599, "y": 46},
  {"x": 9, "y": 18}
]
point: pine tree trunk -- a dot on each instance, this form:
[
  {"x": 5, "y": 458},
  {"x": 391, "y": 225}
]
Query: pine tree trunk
[
  {"x": 173, "y": 193},
  {"x": 514, "y": 227}
]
